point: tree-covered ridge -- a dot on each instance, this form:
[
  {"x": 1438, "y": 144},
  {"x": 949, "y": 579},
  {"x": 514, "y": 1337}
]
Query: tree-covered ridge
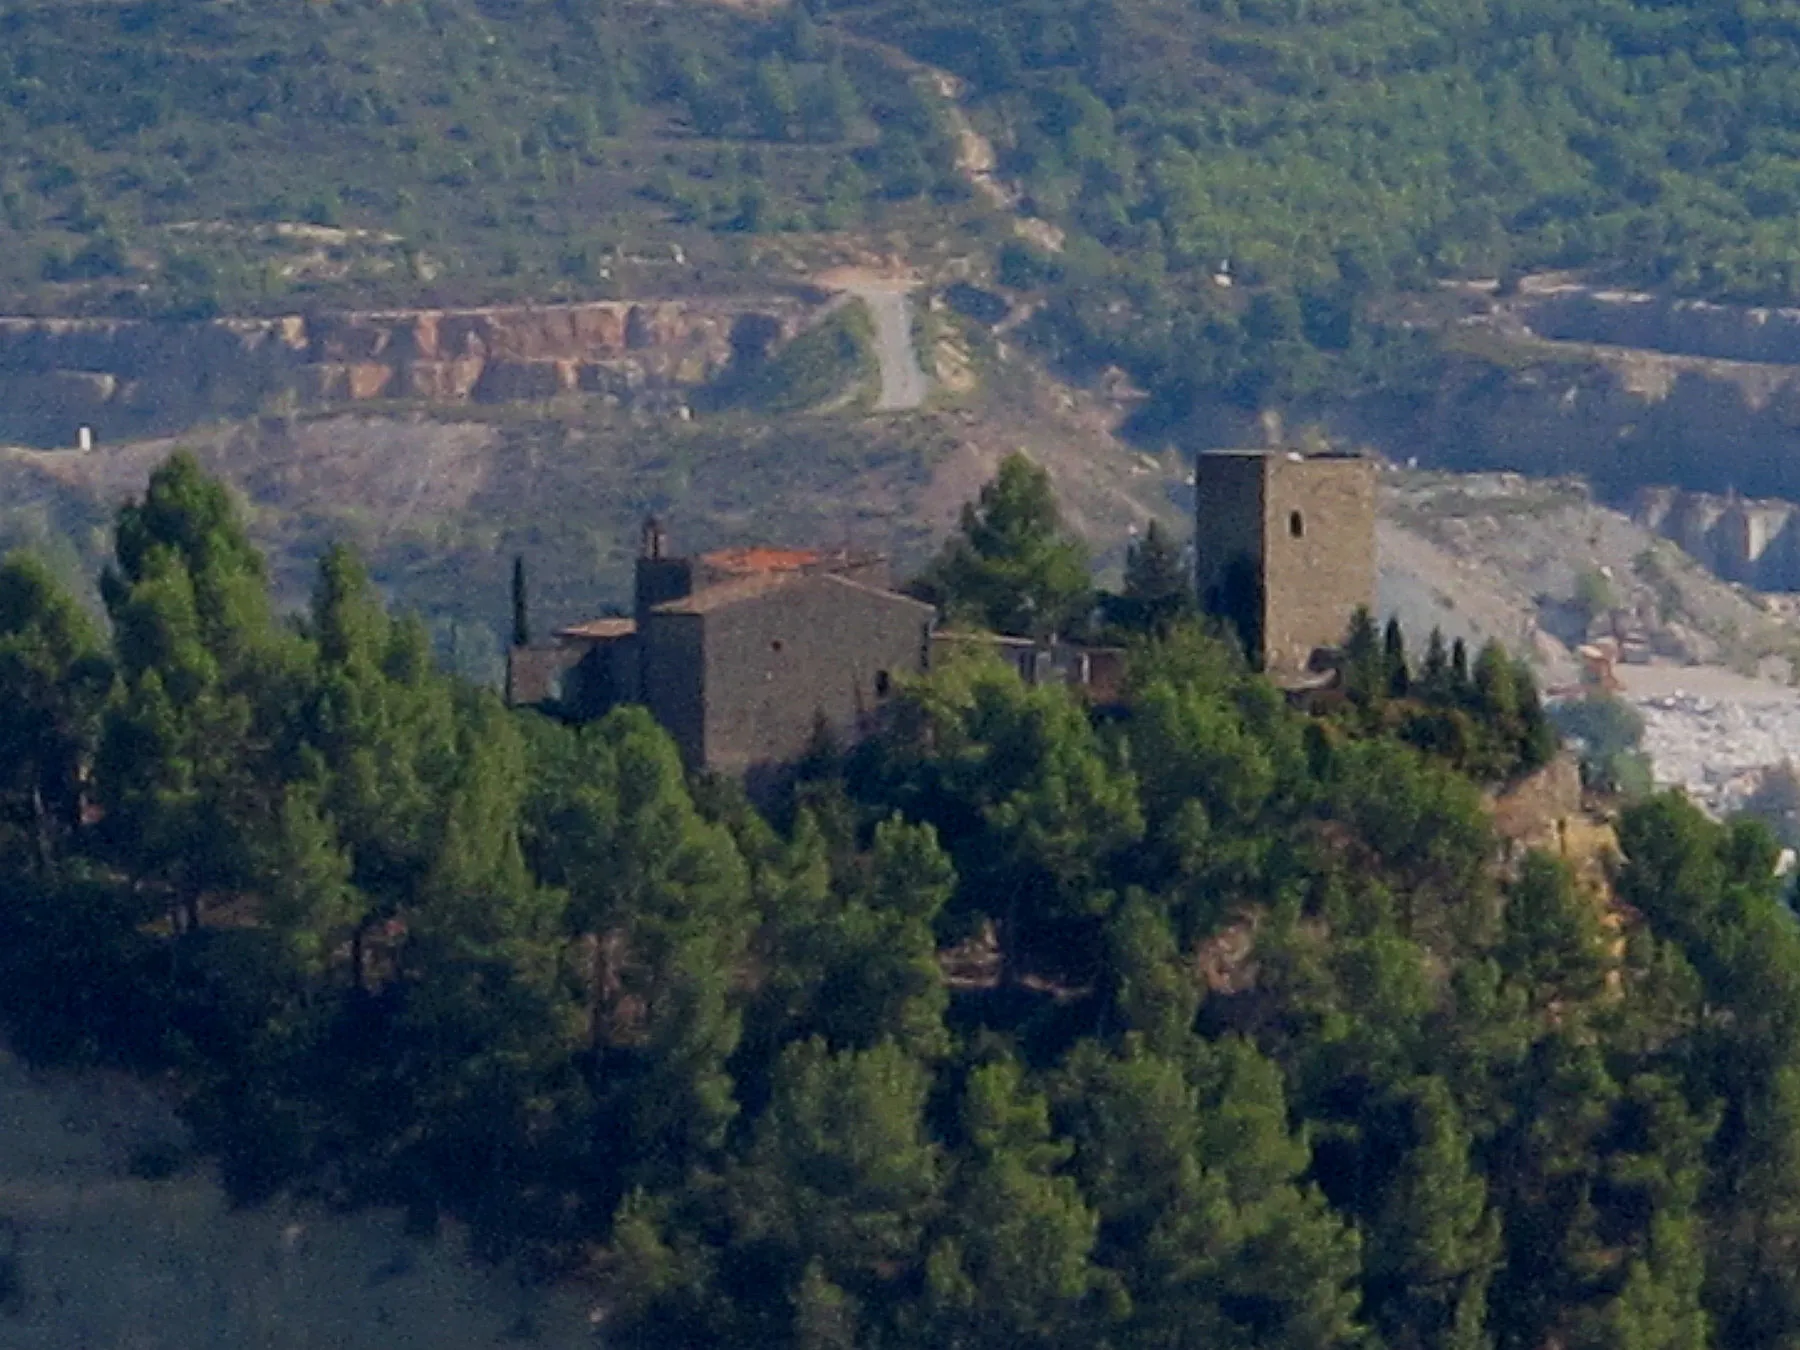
[
  {"x": 176, "y": 156},
  {"x": 1196, "y": 1021},
  {"x": 1333, "y": 151},
  {"x": 1309, "y": 142}
]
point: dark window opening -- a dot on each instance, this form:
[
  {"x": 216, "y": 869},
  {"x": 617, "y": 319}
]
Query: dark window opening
[
  {"x": 1296, "y": 526},
  {"x": 775, "y": 646},
  {"x": 882, "y": 684}
]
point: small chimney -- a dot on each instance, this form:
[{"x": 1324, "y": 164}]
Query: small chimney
[
  {"x": 655, "y": 542},
  {"x": 84, "y": 439}
]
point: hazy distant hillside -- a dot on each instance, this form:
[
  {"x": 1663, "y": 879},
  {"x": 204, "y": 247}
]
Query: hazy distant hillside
[
  {"x": 177, "y": 156},
  {"x": 174, "y": 156},
  {"x": 1334, "y": 151}
]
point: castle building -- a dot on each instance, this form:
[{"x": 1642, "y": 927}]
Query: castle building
[
  {"x": 739, "y": 654},
  {"x": 1284, "y": 550}
]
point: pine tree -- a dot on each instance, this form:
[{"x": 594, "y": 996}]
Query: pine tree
[
  {"x": 54, "y": 679},
  {"x": 1014, "y": 1266},
  {"x": 830, "y": 105},
  {"x": 1011, "y": 566},
  {"x": 1495, "y": 703},
  {"x": 487, "y": 1031},
  {"x": 659, "y": 908},
  {"x": 774, "y": 103},
  {"x": 308, "y": 901},
  {"x": 1203, "y": 1221},
  {"x": 1433, "y": 1243},
  {"x": 187, "y": 521},
  {"x": 842, "y": 1170},
  {"x": 1154, "y": 992},
  {"x": 1553, "y": 944},
  {"x": 1159, "y": 589}
]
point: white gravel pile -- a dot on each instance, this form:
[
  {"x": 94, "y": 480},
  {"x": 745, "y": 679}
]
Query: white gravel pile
[{"x": 1716, "y": 749}]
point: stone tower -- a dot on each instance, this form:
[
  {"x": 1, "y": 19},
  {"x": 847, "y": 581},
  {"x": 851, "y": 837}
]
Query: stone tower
[{"x": 1284, "y": 549}]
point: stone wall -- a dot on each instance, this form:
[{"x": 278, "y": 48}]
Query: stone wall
[
  {"x": 672, "y": 649},
  {"x": 1319, "y": 554},
  {"x": 1228, "y": 540},
  {"x": 817, "y": 645},
  {"x": 129, "y": 377}
]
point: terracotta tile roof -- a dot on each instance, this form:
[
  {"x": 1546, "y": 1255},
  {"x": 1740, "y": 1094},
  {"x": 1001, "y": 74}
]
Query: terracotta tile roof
[
  {"x": 721, "y": 594},
  {"x": 595, "y": 630}
]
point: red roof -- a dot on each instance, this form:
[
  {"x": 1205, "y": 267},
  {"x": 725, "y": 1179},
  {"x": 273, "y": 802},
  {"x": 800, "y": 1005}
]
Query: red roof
[{"x": 723, "y": 593}]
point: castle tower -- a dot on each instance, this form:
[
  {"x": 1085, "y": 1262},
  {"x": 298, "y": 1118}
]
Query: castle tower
[{"x": 1284, "y": 548}]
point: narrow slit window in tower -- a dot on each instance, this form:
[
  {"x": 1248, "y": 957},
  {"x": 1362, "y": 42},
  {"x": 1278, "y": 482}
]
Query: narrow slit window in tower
[{"x": 1296, "y": 525}]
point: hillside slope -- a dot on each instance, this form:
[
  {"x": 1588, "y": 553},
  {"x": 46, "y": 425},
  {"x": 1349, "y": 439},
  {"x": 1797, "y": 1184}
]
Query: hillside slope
[
  {"x": 183, "y": 156},
  {"x": 440, "y": 502},
  {"x": 113, "y": 1233}
]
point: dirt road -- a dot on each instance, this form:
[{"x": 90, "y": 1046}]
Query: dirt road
[
  {"x": 903, "y": 381},
  {"x": 888, "y": 294}
]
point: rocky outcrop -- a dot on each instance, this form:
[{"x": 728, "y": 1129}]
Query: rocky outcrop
[
  {"x": 1756, "y": 542},
  {"x": 126, "y": 377},
  {"x": 1574, "y": 313},
  {"x": 1621, "y": 388},
  {"x": 1622, "y": 419}
]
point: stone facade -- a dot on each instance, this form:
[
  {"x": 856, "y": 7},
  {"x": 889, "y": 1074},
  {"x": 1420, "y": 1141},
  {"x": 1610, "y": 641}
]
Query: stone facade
[
  {"x": 774, "y": 663},
  {"x": 739, "y": 653},
  {"x": 1284, "y": 549}
]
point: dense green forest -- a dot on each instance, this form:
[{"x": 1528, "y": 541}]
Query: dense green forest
[{"x": 1200, "y": 1020}]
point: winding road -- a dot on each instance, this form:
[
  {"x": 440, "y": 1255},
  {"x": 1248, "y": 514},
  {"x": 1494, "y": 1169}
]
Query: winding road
[{"x": 904, "y": 383}]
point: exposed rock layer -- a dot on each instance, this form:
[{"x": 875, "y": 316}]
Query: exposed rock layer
[
  {"x": 1573, "y": 313},
  {"x": 1755, "y": 541},
  {"x": 125, "y": 377}
]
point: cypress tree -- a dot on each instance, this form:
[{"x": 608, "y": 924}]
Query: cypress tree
[
  {"x": 1434, "y": 676},
  {"x": 1364, "y": 669},
  {"x": 1393, "y": 650},
  {"x": 1461, "y": 686},
  {"x": 521, "y": 604}
]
